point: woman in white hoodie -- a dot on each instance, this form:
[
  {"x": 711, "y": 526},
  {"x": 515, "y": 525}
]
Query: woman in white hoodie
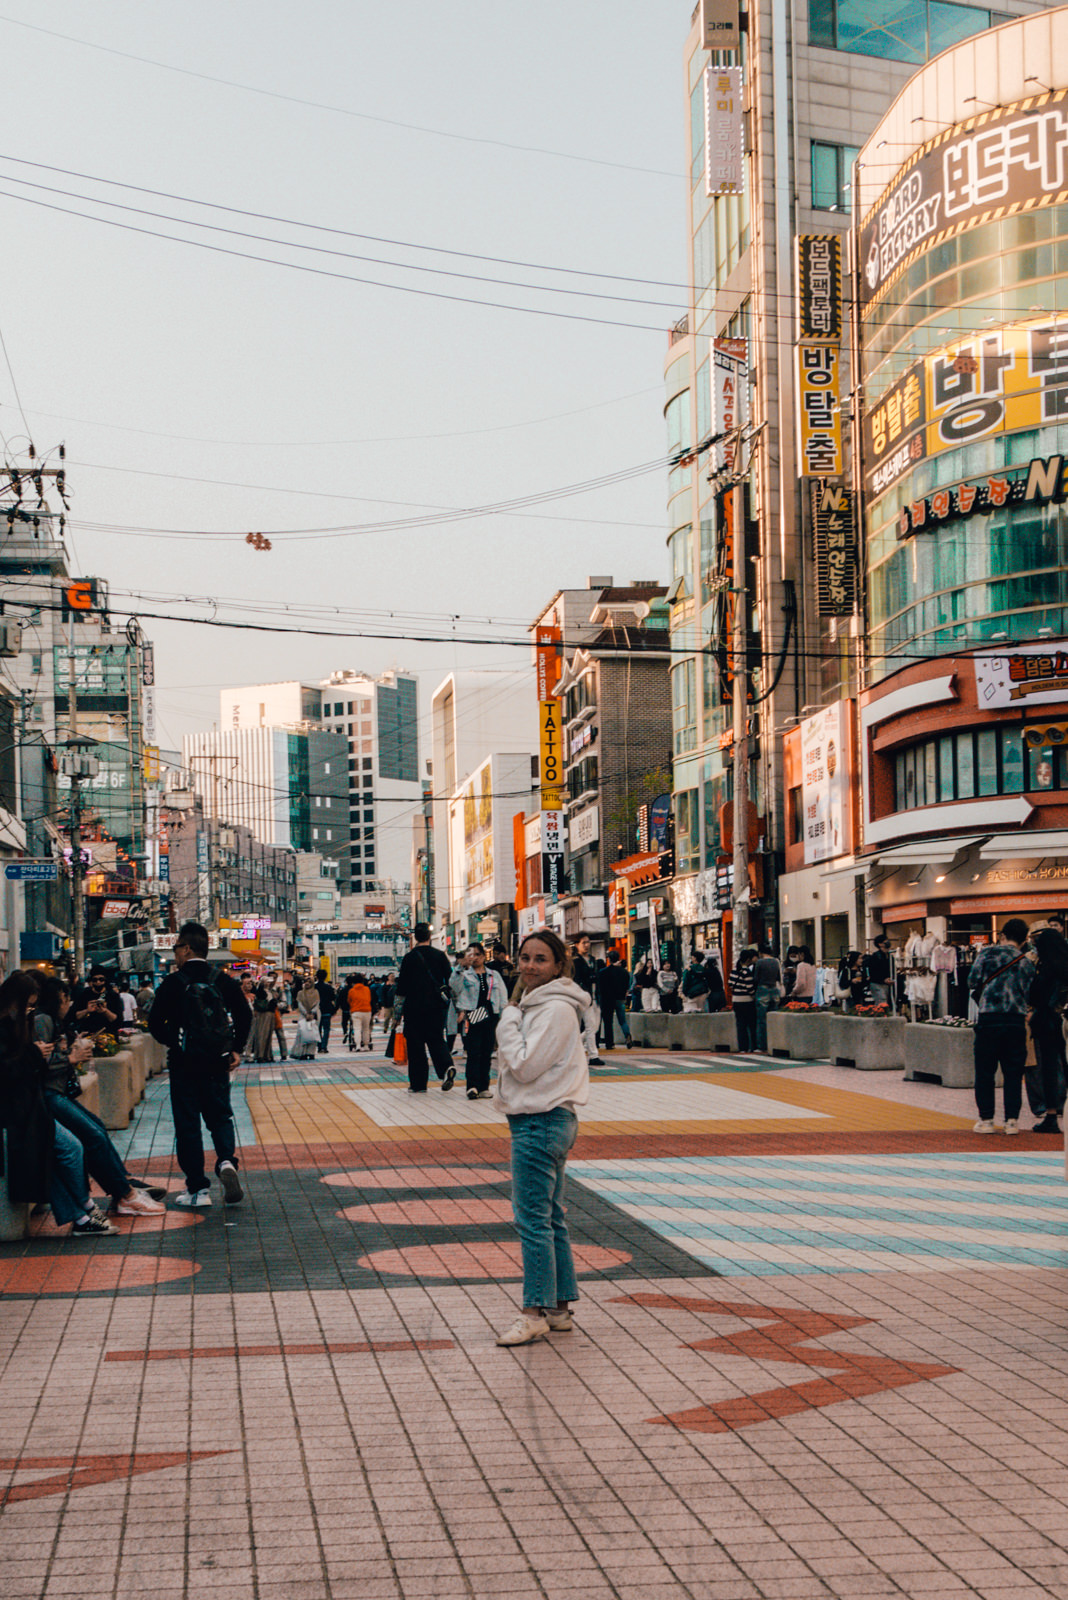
[{"x": 543, "y": 1074}]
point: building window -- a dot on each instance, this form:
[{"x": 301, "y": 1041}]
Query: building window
[
  {"x": 832, "y": 178},
  {"x": 896, "y": 30},
  {"x": 974, "y": 765},
  {"x": 684, "y": 705},
  {"x": 687, "y": 831}
]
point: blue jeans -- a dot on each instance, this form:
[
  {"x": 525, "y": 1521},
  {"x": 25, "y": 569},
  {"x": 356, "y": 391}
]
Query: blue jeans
[
  {"x": 540, "y": 1144},
  {"x": 101, "y": 1157},
  {"x": 68, "y": 1193},
  {"x": 612, "y": 1012},
  {"x": 766, "y": 1000}
]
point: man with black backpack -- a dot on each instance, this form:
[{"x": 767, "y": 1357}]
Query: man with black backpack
[
  {"x": 204, "y": 1019},
  {"x": 423, "y": 985}
]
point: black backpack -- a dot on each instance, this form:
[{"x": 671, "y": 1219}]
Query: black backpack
[{"x": 206, "y": 1028}]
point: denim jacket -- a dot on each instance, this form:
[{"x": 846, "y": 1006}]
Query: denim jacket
[{"x": 466, "y": 991}]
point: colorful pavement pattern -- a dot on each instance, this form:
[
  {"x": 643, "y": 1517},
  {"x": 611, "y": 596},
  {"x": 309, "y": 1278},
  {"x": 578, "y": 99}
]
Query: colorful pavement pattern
[{"x": 822, "y": 1350}]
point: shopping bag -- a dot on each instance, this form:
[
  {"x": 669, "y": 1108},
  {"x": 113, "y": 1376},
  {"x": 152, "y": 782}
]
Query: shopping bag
[{"x": 400, "y": 1049}]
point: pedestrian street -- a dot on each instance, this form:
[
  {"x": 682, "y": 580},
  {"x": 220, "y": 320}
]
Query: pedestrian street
[{"x": 821, "y": 1350}]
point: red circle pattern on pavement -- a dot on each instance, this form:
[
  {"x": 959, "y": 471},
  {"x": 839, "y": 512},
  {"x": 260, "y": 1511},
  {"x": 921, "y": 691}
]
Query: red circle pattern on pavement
[
  {"x": 498, "y": 1259},
  {"x": 415, "y": 1177},
  {"x": 71, "y": 1274},
  {"x": 435, "y": 1213}
]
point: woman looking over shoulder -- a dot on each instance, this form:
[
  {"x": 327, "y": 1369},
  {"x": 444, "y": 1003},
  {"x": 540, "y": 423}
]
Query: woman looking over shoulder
[{"x": 543, "y": 1074}]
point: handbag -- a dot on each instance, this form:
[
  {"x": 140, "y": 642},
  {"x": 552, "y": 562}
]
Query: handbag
[
  {"x": 307, "y": 1032},
  {"x": 479, "y": 1014}
]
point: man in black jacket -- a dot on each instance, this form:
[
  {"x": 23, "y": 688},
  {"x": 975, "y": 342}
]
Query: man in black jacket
[
  {"x": 204, "y": 1019},
  {"x": 423, "y": 985},
  {"x": 327, "y": 1007},
  {"x": 612, "y": 984}
]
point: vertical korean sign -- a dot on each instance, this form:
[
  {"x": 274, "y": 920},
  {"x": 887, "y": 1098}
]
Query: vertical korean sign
[
  {"x": 730, "y": 388},
  {"x": 724, "y": 143},
  {"x": 836, "y": 551},
  {"x": 819, "y": 318},
  {"x": 548, "y": 647}
]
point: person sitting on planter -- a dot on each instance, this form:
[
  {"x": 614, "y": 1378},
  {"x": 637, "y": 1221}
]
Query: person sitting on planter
[{"x": 695, "y": 984}]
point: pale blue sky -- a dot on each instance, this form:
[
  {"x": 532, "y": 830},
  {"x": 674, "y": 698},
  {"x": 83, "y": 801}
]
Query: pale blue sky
[{"x": 236, "y": 370}]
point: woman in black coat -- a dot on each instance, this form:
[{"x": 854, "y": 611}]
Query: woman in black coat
[
  {"x": 1047, "y": 996},
  {"x": 43, "y": 1160}
]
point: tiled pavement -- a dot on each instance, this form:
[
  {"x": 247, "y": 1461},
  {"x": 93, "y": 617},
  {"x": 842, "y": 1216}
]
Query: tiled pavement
[{"x": 822, "y": 1351}]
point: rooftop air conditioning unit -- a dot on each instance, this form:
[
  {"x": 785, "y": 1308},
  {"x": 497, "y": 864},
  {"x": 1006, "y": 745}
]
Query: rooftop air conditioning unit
[{"x": 10, "y": 638}]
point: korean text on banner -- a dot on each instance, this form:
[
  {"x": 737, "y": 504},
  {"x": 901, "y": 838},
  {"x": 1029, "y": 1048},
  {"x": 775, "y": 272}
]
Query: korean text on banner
[
  {"x": 547, "y": 642},
  {"x": 552, "y": 753},
  {"x": 724, "y": 142},
  {"x": 719, "y": 24},
  {"x": 819, "y": 283},
  {"x": 836, "y": 550},
  {"x": 1026, "y": 674},
  {"x": 730, "y": 393},
  {"x": 818, "y": 411}
]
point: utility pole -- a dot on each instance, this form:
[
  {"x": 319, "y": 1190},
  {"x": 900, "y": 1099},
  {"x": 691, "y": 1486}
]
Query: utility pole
[
  {"x": 739, "y": 651},
  {"x": 75, "y": 765}
]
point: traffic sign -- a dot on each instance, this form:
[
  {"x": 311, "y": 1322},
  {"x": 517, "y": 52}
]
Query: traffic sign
[{"x": 31, "y": 871}]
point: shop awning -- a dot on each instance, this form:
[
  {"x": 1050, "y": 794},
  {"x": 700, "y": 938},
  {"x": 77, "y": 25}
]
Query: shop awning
[
  {"x": 922, "y": 852},
  {"x": 1025, "y": 846},
  {"x": 638, "y": 869}
]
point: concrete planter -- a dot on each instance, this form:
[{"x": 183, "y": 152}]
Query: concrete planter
[
  {"x": 871, "y": 1044},
  {"x": 800, "y": 1035},
  {"x": 115, "y": 1074},
  {"x": 651, "y": 1028},
  {"x": 135, "y": 1049},
  {"x": 90, "y": 1095},
  {"x": 940, "y": 1055},
  {"x": 692, "y": 1030}
]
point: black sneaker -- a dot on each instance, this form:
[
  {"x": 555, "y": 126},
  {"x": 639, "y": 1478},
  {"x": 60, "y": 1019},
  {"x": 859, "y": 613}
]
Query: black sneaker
[
  {"x": 94, "y": 1224},
  {"x": 595, "y": 1061},
  {"x": 232, "y": 1190},
  {"x": 449, "y": 1079},
  {"x": 151, "y": 1190},
  {"x": 1049, "y": 1124},
  {"x": 472, "y": 1094}
]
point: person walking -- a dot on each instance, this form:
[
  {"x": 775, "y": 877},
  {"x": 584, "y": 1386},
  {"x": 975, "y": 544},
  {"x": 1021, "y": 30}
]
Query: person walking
[
  {"x": 203, "y": 1019},
  {"x": 261, "y": 1032},
  {"x": 767, "y": 975},
  {"x": 1047, "y": 997},
  {"x": 695, "y": 984},
  {"x": 343, "y": 988},
  {"x": 743, "y": 1004},
  {"x": 306, "y": 1043},
  {"x": 387, "y": 991},
  {"x": 611, "y": 985},
  {"x": 878, "y": 969},
  {"x": 1000, "y": 984},
  {"x": 584, "y": 974},
  {"x": 360, "y": 1003},
  {"x": 423, "y": 986},
  {"x": 281, "y": 1006},
  {"x": 480, "y": 999},
  {"x": 543, "y": 1074},
  {"x": 327, "y": 1007}
]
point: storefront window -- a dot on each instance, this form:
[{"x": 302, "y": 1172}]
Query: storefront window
[
  {"x": 687, "y": 831},
  {"x": 987, "y": 765},
  {"x": 965, "y": 767}
]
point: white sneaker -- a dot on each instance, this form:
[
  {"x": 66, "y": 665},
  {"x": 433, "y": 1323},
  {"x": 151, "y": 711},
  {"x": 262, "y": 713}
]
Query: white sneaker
[
  {"x": 559, "y": 1321},
  {"x": 193, "y": 1202},
  {"x": 984, "y": 1125},
  {"x": 1011, "y": 1125},
  {"x": 138, "y": 1204},
  {"x": 525, "y": 1330},
  {"x": 231, "y": 1183}
]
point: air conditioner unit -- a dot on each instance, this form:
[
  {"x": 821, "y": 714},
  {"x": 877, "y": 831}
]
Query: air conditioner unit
[{"x": 10, "y": 638}]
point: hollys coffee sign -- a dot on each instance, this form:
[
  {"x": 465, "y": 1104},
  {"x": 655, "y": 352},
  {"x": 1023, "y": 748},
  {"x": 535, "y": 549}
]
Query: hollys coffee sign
[{"x": 1016, "y": 158}]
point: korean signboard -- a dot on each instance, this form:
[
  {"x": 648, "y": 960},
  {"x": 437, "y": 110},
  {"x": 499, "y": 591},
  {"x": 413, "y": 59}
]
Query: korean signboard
[
  {"x": 825, "y": 783},
  {"x": 552, "y": 853},
  {"x": 547, "y": 643},
  {"x": 552, "y": 755},
  {"x": 730, "y": 393},
  {"x": 836, "y": 552},
  {"x": 818, "y": 413},
  {"x": 1026, "y": 675},
  {"x": 1039, "y": 483},
  {"x": 724, "y": 143},
  {"x": 478, "y": 828},
  {"x": 1016, "y": 160},
  {"x": 819, "y": 282},
  {"x": 719, "y": 24},
  {"x": 999, "y": 382}
]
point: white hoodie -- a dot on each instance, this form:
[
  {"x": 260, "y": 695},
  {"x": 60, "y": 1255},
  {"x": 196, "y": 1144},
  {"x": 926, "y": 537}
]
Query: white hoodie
[{"x": 540, "y": 1055}]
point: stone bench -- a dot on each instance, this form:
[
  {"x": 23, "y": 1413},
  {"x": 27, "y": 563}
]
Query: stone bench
[{"x": 689, "y": 1030}]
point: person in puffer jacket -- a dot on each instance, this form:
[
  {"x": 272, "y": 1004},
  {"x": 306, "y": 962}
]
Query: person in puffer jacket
[{"x": 543, "y": 1074}]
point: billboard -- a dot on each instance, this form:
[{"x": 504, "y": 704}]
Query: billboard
[
  {"x": 478, "y": 828},
  {"x": 730, "y": 393},
  {"x": 819, "y": 416},
  {"x": 1016, "y": 160},
  {"x": 552, "y": 755},
  {"x": 819, "y": 286},
  {"x": 825, "y": 783},
  {"x": 724, "y": 142},
  {"x": 1034, "y": 483},
  {"x": 1025, "y": 675},
  {"x": 834, "y": 534},
  {"x": 719, "y": 24}
]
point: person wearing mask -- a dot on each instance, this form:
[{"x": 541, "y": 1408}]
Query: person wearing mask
[
  {"x": 130, "y": 1197},
  {"x": 584, "y": 973},
  {"x": 1000, "y": 984},
  {"x": 306, "y": 1043},
  {"x": 853, "y": 988},
  {"x": 202, "y": 1018},
  {"x": 789, "y": 969},
  {"x": 543, "y": 1075},
  {"x": 480, "y": 999},
  {"x": 424, "y": 991},
  {"x": 878, "y": 969},
  {"x": 327, "y": 1007},
  {"x": 743, "y": 1004},
  {"x": 695, "y": 985},
  {"x": 646, "y": 985},
  {"x": 500, "y": 964},
  {"x": 360, "y": 1003},
  {"x": 804, "y": 975},
  {"x": 667, "y": 981},
  {"x": 1047, "y": 997},
  {"x": 97, "y": 1008},
  {"x": 611, "y": 985}
]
